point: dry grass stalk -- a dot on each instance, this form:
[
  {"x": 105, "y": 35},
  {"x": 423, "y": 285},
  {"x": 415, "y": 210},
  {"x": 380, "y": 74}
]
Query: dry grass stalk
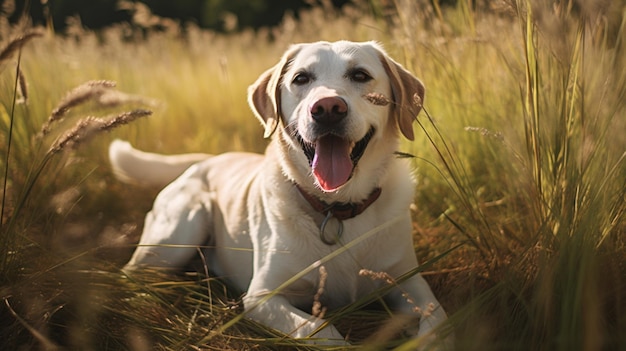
[
  {"x": 89, "y": 126},
  {"x": 377, "y": 99},
  {"x": 317, "y": 310},
  {"x": 14, "y": 45},
  {"x": 113, "y": 98},
  {"x": 22, "y": 87},
  {"x": 384, "y": 276},
  {"x": 88, "y": 91},
  {"x": 485, "y": 132},
  {"x": 398, "y": 326},
  {"x": 45, "y": 342},
  {"x": 417, "y": 100}
]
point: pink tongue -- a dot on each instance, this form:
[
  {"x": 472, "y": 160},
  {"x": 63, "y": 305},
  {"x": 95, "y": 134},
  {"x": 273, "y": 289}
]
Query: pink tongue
[{"x": 332, "y": 165}]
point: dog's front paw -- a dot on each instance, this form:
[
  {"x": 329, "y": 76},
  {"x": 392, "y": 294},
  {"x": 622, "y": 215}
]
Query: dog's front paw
[
  {"x": 429, "y": 339},
  {"x": 329, "y": 335}
]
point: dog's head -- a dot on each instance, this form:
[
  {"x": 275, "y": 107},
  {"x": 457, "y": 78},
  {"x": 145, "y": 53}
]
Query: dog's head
[{"x": 338, "y": 103}]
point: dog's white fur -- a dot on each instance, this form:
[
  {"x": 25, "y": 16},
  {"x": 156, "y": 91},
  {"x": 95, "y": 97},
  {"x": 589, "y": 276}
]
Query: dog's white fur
[{"x": 260, "y": 230}]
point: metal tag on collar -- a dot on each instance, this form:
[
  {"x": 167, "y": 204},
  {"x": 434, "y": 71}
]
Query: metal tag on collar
[{"x": 336, "y": 237}]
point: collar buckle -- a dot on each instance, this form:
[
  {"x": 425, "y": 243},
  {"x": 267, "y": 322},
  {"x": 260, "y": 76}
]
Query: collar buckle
[{"x": 338, "y": 210}]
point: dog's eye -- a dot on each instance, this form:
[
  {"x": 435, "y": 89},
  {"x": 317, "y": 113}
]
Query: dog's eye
[
  {"x": 301, "y": 78},
  {"x": 360, "y": 76}
]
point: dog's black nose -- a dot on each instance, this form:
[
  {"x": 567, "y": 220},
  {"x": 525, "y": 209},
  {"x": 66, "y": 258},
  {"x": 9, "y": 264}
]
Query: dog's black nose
[{"x": 329, "y": 110}]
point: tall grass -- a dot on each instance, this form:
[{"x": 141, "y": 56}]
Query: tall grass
[
  {"x": 537, "y": 185},
  {"x": 520, "y": 162}
]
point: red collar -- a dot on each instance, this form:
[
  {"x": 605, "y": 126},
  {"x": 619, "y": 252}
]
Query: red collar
[{"x": 340, "y": 210}]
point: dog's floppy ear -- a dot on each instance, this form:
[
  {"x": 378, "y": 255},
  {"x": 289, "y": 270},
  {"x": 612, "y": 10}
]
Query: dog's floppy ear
[
  {"x": 408, "y": 94},
  {"x": 264, "y": 94}
]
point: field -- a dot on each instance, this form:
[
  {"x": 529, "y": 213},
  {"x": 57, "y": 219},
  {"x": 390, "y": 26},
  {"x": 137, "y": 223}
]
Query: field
[{"x": 519, "y": 215}]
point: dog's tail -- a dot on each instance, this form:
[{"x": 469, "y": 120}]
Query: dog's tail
[{"x": 134, "y": 166}]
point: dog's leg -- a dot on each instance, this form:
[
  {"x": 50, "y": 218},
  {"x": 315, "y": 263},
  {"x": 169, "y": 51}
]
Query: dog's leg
[
  {"x": 177, "y": 225},
  {"x": 415, "y": 297},
  {"x": 279, "y": 314}
]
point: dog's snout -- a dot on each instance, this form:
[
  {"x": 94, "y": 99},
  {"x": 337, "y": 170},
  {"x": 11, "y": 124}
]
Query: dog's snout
[{"x": 329, "y": 110}]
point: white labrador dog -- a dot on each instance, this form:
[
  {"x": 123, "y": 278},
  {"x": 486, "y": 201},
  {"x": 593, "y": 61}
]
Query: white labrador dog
[{"x": 329, "y": 192}]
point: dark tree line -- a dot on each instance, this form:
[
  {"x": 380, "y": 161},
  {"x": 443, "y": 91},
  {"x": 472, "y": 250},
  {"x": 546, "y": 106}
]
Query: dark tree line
[{"x": 212, "y": 14}]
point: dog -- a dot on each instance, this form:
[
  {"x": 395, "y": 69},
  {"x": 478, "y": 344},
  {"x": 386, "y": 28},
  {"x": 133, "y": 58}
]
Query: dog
[{"x": 328, "y": 191}]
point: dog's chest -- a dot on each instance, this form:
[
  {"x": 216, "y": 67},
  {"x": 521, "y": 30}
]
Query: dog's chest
[{"x": 332, "y": 285}]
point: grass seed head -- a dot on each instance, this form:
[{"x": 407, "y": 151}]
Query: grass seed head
[
  {"x": 14, "y": 45},
  {"x": 87, "y": 127},
  {"x": 417, "y": 100},
  {"x": 114, "y": 98},
  {"x": 317, "y": 310},
  {"x": 82, "y": 130},
  {"x": 377, "y": 276},
  {"x": 377, "y": 99},
  {"x": 384, "y": 276},
  {"x": 124, "y": 118},
  {"x": 87, "y": 91},
  {"x": 23, "y": 87},
  {"x": 485, "y": 132}
]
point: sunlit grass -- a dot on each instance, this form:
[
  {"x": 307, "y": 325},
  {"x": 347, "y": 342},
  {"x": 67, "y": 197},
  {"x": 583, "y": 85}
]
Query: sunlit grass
[
  {"x": 527, "y": 130},
  {"x": 519, "y": 159}
]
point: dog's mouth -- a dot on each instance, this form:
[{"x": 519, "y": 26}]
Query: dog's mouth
[{"x": 333, "y": 159}]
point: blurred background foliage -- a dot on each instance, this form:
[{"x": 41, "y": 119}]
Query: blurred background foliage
[{"x": 220, "y": 15}]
